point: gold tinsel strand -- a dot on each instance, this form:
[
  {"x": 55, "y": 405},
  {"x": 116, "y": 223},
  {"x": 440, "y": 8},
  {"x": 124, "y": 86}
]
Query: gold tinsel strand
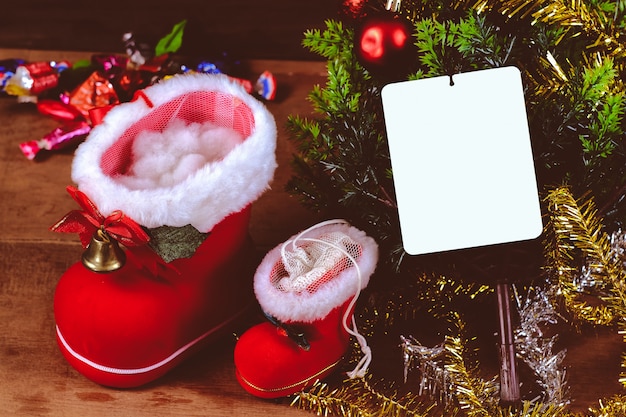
[
  {"x": 612, "y": 407},
  {"x": 476, "y": 397},
  {"x": 574, "y": 235},
  {"x": 573, "y": 15},
  {"x": 359, "y": 398},
  {"x": 432, "y": 293}
]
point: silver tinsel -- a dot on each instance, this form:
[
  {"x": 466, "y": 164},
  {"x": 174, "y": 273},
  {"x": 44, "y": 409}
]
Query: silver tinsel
[
  {"x": 533, "y": 347},
  {"x": 429, "y": 362},
  {"x": 587, "y": 279},
  {"x": 536, "y": 349},
  {"x": 618, "y": 245}
]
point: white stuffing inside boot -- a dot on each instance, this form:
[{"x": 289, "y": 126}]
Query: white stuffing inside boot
[{"x": 164, "y": 159}]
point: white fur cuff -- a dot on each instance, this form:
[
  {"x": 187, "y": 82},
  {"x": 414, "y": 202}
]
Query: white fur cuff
[
  {"x": 194, "y": 150},
  {"x": 308, "y": 306}
]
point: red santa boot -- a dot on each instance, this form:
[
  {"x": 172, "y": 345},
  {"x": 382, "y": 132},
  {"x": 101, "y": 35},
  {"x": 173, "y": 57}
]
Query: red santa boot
[
  {"x": 307, "y": 287},
  {"x": 171, "y": 177}
]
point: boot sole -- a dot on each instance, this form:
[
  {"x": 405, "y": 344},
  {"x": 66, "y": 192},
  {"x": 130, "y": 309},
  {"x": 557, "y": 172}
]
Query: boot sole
[
  {"x": 134, "y": 377},
  {"x": 286, "y": 390}
]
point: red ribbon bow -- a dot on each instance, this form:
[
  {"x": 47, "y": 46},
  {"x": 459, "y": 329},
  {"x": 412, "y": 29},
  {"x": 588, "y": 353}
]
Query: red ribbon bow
[
  {"x": 87, "y": 221},
  {"x": 119, "y": 227}
]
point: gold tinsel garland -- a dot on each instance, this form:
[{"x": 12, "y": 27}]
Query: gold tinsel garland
[
  {"x": 575, "y": 235},
  {"x": 573, "y": 15},
  {"x": 574, "y": 241}
]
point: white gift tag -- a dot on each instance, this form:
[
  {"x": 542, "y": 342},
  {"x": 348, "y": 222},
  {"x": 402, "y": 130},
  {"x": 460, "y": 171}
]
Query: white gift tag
[{"x": 462, "y": 161}]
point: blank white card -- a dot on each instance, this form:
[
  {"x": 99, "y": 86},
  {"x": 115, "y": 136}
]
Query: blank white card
[{"x": 462, "y": 161}]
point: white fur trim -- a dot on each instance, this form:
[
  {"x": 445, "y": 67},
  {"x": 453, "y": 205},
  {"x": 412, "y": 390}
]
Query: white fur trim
[
  {"x": 308, "y": 307},
  {"x": 202, "y": 199}
]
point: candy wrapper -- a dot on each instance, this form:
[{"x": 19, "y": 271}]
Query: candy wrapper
[
  {"x": 207, "y": 67},
  {"x": 265, "y": 86},
  {"x": 138, "y": 52},
  {"x": 7, "y": 70},
  {"x": 110, "y": 63},
  {"x": 74, "y": 111},
  {"x": 95, "y": 91},
  {"x": 60, "y": 111},
  {"x": 34, "y": 78},
  {"x": 4, "y": 77},
  {"x": 64, "y": 136},
  {"x": 128, "y": 82}
]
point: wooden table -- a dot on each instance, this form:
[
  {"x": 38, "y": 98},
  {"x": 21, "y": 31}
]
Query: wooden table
[{"x": 35, "y": 380}]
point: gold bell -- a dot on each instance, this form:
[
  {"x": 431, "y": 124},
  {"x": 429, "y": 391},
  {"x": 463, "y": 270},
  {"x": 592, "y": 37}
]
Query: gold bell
[{"x": 103, "y": 254}]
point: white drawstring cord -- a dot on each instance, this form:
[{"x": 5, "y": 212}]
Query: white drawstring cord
[{"x": 361, "y": 368}]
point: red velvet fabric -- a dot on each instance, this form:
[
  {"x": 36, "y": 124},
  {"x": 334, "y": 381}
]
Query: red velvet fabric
[
  {"x": 269, "y": 364},
  {"x": 130, "y": 320}
]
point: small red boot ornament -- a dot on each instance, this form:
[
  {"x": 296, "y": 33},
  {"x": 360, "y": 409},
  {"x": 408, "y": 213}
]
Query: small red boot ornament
[
  {"x": 307, "y": 287},
  {"x": 169, "y": 177}
]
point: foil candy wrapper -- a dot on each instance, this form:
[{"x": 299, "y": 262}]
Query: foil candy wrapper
[
  {"x": 59, "y": 110},
  {"x": 110, "y": 63},
  {"x": 7, "y": 70},
  {"x": 264, "y": 87},
  {"x": 138, "y": 52},
  {"x": 61, "y": 137},
  {"x": 34, "y": 78},
  {"x": 127, "y": 82},
  {"x": 95, "y": 91}
]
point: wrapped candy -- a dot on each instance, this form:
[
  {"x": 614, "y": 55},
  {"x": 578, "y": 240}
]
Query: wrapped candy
[
  {"x": 127, "y": 82},
  {"x": 138, "y": 53},
  {"x": 7, "y": 70},
  {"x": 61, "y": 137},
  {"x": 110, "y": 63},
  {"x": 265, "y": 86},
  {"x": 58, "y": 110},
  {"x": 207, "y": 67},
  {"x": 34, "y": 78},
  {"x": 95, "y": 91},
  {"x": 4, "y": 77}
]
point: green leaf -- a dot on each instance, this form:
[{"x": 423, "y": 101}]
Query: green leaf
[
  {"x": 172, "y": 41},
  {"x": 82, "y": 63}
]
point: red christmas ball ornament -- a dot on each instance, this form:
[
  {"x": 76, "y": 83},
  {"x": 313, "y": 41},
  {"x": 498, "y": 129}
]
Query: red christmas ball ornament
[{"x": 384, "y": 46}]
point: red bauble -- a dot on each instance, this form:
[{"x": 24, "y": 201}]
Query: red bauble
[{"x": 384, "y": 46}]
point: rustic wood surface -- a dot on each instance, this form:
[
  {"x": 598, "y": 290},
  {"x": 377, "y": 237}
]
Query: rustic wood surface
[{"x": 34, "y": 378}]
